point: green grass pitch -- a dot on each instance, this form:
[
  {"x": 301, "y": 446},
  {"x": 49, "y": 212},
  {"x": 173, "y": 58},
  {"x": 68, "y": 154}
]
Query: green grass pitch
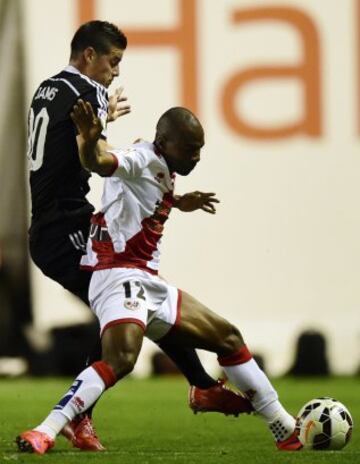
[{"x": 148, "y": 421}]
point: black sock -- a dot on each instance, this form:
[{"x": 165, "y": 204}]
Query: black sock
[{"x": 187, "y": 360}]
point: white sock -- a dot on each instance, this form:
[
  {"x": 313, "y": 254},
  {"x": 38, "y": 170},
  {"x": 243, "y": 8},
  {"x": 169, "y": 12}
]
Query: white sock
[
  {"x": 252, "y": 381},
  {"x": 85, "y": 390}
]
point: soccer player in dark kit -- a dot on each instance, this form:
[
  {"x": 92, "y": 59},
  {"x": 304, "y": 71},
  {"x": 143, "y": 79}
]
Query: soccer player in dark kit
[{"x": 61, "y": 213}]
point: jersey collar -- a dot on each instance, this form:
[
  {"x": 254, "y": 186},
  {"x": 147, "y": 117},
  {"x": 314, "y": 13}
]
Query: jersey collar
[{"x": 72, "y": 70}]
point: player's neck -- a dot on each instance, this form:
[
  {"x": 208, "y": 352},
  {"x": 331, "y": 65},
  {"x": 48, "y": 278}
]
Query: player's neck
[
  {"x": 159, "y": 153},
  {"x": 77, "y": 65}
]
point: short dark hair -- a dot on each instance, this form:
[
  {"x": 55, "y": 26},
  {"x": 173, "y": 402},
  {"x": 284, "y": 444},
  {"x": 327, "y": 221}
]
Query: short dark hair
[
  {"x": 176, "y": 118},
  {"x": 100, "y": 35}
]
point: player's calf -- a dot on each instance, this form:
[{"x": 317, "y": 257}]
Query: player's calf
[{"x": 231, "y": 341}]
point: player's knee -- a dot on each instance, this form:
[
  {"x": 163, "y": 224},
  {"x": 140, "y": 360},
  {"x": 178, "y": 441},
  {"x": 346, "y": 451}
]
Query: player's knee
[
  {"x": 122, "y": 364},
  {"x": 126, "y": 364},
  {"x": 232, "y": 341}
]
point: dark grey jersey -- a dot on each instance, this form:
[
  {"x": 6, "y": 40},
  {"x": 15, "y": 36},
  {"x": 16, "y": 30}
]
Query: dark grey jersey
[{"x": 58, "y": 182}]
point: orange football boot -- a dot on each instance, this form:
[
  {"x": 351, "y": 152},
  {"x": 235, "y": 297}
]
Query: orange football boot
[
  {"x": 82, "y": 434},
  {"x": 33, "y": 441},
  {"x": 218, "y": 398},
  {"x": 292, "y": 443}
]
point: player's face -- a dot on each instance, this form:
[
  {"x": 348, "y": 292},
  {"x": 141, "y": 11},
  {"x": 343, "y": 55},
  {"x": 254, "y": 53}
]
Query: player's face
[
  {"x": 103, "y": 68},
  {"x": 183, "y": 153}
]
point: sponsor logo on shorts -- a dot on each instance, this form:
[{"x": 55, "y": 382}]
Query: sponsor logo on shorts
[{"x": 132, "y": 304}]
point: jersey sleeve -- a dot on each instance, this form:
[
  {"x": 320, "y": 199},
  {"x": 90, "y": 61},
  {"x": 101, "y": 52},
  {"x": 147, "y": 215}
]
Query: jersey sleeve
[
  {"x": 98, "y": 98},
  {"x": 130, "y": 163}
]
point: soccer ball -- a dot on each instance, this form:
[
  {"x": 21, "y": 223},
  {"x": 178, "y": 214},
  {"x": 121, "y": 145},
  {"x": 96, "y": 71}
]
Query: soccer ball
[{"x": 324, "y": 423}]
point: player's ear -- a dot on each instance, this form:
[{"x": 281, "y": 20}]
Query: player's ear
[
  {"x": 89, "y": 54},
  {"x": 160, "y": 141}
]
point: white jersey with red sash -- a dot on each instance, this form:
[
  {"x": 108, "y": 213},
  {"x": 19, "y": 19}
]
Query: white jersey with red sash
[{"x": 136, "y": 202}]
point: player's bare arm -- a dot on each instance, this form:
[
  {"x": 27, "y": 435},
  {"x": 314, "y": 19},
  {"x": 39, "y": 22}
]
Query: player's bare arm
[
  {"x": 118, "y": 105},
  {"x": 196, "y": 200},
  {"x": 93, "y": 152}
]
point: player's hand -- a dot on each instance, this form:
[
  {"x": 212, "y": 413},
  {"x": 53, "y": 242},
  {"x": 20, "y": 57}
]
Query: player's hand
[
  {"x": 87, "y": 123},
  {"x": 118, "y": 105},
  {"x": 196, "y": 200}
]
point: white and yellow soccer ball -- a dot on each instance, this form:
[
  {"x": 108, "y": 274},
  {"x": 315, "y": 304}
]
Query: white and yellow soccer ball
[{"x": 324, "y": 424}]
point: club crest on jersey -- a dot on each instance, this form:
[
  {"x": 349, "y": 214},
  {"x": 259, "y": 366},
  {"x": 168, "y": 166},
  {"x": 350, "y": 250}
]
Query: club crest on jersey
[{"x": 132, "y": 304}]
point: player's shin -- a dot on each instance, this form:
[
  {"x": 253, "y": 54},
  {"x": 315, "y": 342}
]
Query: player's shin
[
  {"x": 84, "y": 392},
  {"x": 243, "y": 371}
]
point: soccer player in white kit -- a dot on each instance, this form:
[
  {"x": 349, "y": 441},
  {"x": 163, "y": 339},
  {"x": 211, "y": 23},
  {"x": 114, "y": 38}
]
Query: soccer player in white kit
[{"x": 126, "y": 293}]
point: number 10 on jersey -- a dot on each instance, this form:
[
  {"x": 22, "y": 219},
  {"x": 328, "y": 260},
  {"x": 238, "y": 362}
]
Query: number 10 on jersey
[{"x": 36, "y": 139}]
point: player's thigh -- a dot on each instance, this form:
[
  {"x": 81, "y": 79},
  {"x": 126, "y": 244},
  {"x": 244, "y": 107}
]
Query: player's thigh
[
  {"x": 57, "y": 257},
  {"x": 200, "y": 327},
  {"x": 121, "y": 308}
]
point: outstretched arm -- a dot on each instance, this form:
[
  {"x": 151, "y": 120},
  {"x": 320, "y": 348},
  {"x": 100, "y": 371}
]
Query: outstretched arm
[
  {"x": 92, "y": 151},
  {"x": 118, "y": 105},
  {"x": 196, "y": 200}
]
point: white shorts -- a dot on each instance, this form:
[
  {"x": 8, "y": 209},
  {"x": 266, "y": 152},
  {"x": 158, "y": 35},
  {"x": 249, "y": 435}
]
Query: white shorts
[{"x": 120, "y": 295}]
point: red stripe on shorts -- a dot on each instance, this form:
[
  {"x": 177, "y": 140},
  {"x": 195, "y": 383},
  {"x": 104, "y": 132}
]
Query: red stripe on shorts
[{"x": 123, "y": 321}]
